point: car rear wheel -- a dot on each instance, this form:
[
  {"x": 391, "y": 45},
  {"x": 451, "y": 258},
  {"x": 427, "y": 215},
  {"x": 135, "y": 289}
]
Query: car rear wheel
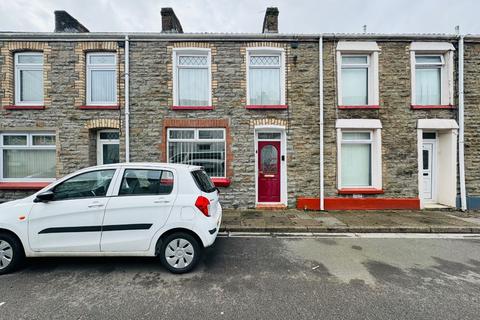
[
  {"x": 11, "y": 253},
  {"x": 180, "y": 252}
]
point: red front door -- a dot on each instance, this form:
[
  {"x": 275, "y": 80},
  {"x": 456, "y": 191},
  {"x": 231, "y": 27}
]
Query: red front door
[{"x": 269, "y": 171}]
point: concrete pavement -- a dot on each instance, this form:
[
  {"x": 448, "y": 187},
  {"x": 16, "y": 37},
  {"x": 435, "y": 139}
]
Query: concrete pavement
[
  {"x": 326, "y": 277},
  {"x": 424, "y": 221}
]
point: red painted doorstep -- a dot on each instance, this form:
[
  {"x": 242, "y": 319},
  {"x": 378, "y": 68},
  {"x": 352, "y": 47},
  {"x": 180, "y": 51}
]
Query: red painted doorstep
[
  {"x": 221, "y": 182},
  {"x": 359, "y": 203},
  {"x": 360, "y": 191},
  {"x": 360, "y": 107},
  {"x": 16, "y": 107},
  {"x": 266, "y": 107},
  {"x": 192, "y": 107},
  {"x": 115, "y": 107},
  {"x": 416, "y": 106},
  {"x": 23, "y": 185}
]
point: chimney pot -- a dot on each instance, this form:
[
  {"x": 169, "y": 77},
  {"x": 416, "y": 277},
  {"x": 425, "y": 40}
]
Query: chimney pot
[
  {"x": 170, "y": 22},
  {"x": 64, "y": 22},
  {"x": 270, "y": 22}
]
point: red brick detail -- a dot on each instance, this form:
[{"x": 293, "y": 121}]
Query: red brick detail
[
  {"x": 199, "y": 123},
  {"x": 266, "y": 107},
  {"x": 21, "y": 107},
  {"x": 359, "y": 203},
  {"x": 420, "y": 107},
  {"x": 23, "y": 185},
  {"x": 110, "y": 107},
  {"x": 360, "y": 107},
  {"x": 360, "y": 191},
  {"x": 192, "y": 107},
  {"x": 221, "y": 182}
]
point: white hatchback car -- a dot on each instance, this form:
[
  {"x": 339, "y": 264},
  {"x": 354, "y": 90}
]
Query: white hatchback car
[{"x": 128, "y": 209}]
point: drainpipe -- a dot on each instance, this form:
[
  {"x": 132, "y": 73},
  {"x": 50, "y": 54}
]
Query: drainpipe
[
  {"x": 127, "y": 99},
  {"x": 320, "y": 71},
  {"x": 461, "y": 127}
]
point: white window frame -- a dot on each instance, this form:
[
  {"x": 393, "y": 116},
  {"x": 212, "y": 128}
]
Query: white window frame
[
  {"x": 28, "y": 146},
  {"x": 196, "y": 139},
  {"x": 101, "y": 142},
  {"x": 177, "y": 53},
  {"x": 357, "y": 48},
  {"x": 445, "y": 50},
  {"x": 362, "y": 125},
  {"x": 108, "y": 67},
  {"x": 26, "y": 66},
  {"x": 267, "y": 51}
]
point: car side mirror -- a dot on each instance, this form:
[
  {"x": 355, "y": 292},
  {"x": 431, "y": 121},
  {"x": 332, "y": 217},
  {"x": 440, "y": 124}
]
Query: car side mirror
[{"x": 44, "y": 196}]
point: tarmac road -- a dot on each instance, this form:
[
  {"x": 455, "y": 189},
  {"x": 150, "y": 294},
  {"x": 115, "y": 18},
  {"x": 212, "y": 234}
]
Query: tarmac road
[{"x": 260, "y": 278}]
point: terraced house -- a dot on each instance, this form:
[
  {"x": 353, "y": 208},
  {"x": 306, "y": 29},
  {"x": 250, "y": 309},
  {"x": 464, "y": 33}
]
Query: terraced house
[{"x": 320, "y": 121}]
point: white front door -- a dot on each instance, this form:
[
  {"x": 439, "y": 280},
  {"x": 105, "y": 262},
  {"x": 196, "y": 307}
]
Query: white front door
[{"x": 428, "y": 171}]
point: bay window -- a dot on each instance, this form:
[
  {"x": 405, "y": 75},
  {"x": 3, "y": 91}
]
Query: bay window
[
  {"x": 200, "y": 147},
  {"x": 359, "y": 154},
  {"x": 192, "y": 74},
  {"x": 101, "y": 78},
  {"x": 27, "y": 156},
  {"x": 29, "y": 78},
  {"x": 265, "y": 78}
]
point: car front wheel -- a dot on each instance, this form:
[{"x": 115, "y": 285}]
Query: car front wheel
[
  {"x": 180, "y": 252},
  {"x": 11, "y": 253}
]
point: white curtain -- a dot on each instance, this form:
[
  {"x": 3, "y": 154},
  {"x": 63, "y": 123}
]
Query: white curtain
[
  {"x": 31, "y": 85},
  {"x": 264, "y": 86},
  {"x": 209, "y": 155},
  {"x": 29, "y": 164},
  {"x": 193, "y": 87},
  {"x": 355, "y": 86},
  {"x": 102, "y": 86},
  {"x": 427, "y": 82},
  {"x": 356, "y": 164}
]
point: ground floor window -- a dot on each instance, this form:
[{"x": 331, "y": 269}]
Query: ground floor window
[
  {"x": 108, "y": 150},
  {"x": 27, "y": 156},
  {"x": 202, "y": 147}
]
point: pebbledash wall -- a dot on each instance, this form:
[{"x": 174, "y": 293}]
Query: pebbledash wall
[{"x": 152, "y": 113}]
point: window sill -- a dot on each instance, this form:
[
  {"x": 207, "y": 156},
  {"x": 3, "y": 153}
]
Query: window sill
[
  {"x": 373, "y": 107},
  {"x": 105, "y": 107},
  {"x": 23, "y": 107},
  {"x": 23, "y": 185},
  {"x": 419, "y": 107},
  {"x": 192, "y": 107},
  {"x": 360, "y": 191},
  {"x": 221, "y": 182},
  {"x": 267, "y": 107}
]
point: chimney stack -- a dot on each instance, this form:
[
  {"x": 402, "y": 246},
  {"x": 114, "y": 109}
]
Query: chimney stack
[
  {"x": 270, "y": 22},
  {"x": 64, "y": 22},
  {"x": 170, "y": 22}
]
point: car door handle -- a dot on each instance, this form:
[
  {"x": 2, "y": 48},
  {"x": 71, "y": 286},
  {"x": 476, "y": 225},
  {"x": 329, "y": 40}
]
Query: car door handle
[
  {"x": 99, "y": 205},
  {"x": 161, "y": 201}
]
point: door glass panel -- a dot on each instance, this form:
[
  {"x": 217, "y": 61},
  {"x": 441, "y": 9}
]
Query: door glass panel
[
  {"x": 109, "y": 135},
  {"x": 269, "y": 135},
  {"x": 269, "y": 160},
  {"x": 146, "y": 182},
  {"x": 86, "y": 185},
  {"x": 429, "y": 135},
  {"x": 425, "y": 159},
  {"x": 110, "y": 153}
]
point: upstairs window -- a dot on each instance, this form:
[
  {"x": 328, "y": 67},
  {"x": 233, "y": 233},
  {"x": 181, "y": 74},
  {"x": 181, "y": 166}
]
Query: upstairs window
[
  {"x": 266, "y": 79},
  {"x": 432, "y": 74},
  {"x": 200, "y": 147},
  {"x": 428, "y": 79},
  {"x": 355, "y": 79},
  {"x": 101, "y": 78},
  {"x": 357, "y": 70},
  {"x": 29, "y": 78},
  {"x": 192, "y": 76},
  {"x": 27, "y": 156}
]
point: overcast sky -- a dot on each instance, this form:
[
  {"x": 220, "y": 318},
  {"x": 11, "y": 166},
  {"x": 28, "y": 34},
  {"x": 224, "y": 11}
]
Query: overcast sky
[{"x": 296, "y": 16}]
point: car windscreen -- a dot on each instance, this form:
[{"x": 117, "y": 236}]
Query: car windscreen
[{"x": 203, "y": 181}]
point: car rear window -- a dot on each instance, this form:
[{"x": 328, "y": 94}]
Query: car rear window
[{"x": 203, "y": 181}]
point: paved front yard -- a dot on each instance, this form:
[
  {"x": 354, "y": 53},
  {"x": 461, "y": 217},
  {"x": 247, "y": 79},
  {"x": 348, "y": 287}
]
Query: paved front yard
[{"x": 350, "y": 221}]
